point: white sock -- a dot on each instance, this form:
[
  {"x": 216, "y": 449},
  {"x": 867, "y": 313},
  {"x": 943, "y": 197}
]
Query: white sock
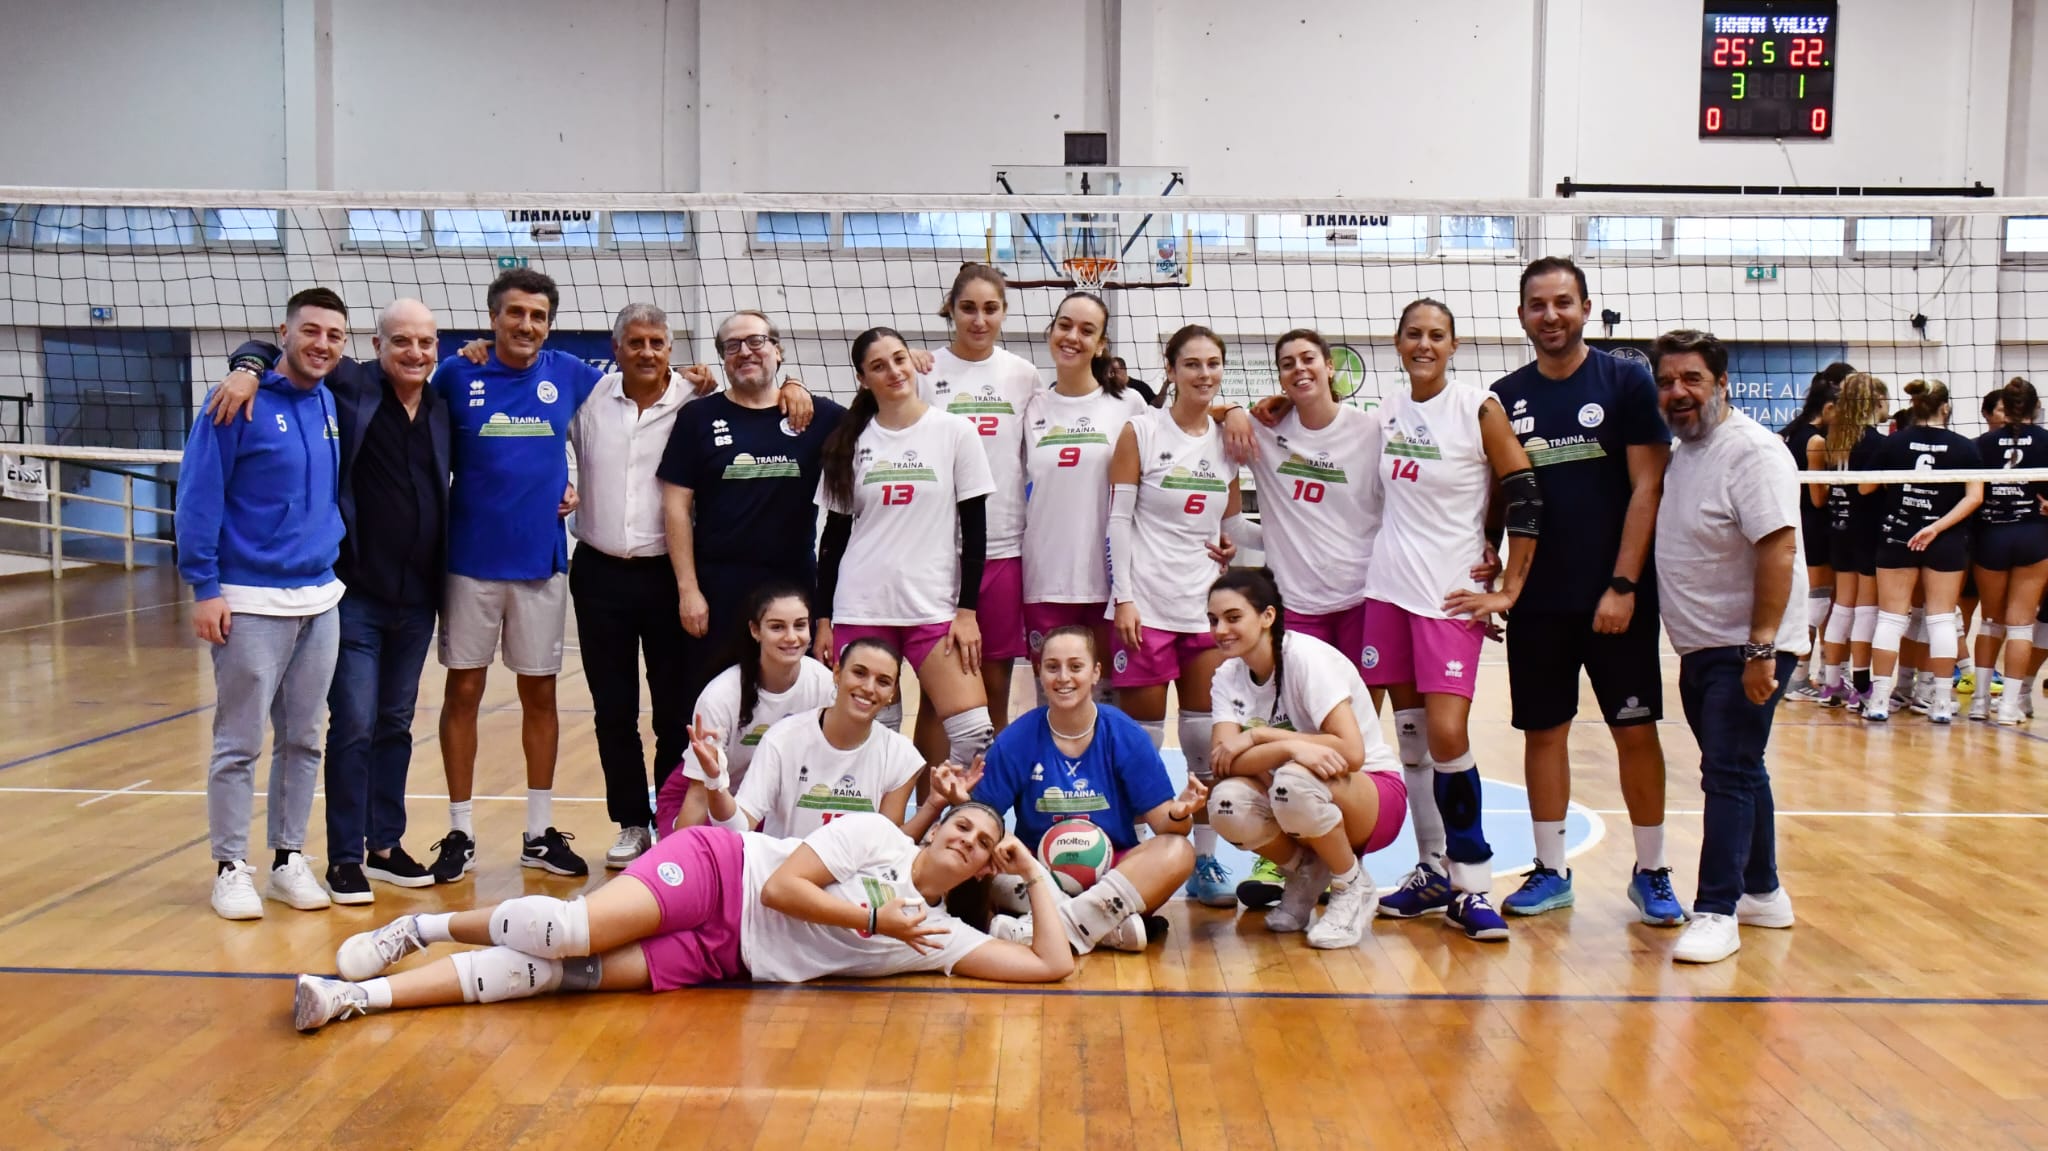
[
  {"x": 1429, "y": 822},
  {"x": 1098, "y": 911},
  {"x": 1649, "y": 847},
  {"x": 1944, "y": 691},
  {"x": 1831, "y": 675},
  {"x": 459, "y": 818},
  {"x": 1204, "y": 839},
  {"x": 1550, "y": 844},
  {"x": 1155, "y": 730},
  {"x": 433, "y": 926},
  {"x": 540, "y": 811},
  {"x": 1881, "y": 689},
  {"x": 379, "y": 991},
  {"x": 1343, "y": 882}
]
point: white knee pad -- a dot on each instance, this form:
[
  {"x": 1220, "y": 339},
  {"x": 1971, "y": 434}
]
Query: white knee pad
[
  {"x": 1916, "y": 625},
  {"x": 1820, "y": 604},
  {"x": 1242, "y": 814},
  {"x": 1302, "y": 803},
  {"x": 1991, "y": 631},
  {"x": 542, "y": 925},
  {"x": 1155, "y": 730},
  {"x": 1865, "y": 628},
  {"x": 499, "y": 973},
  {"x": 891, "y": 717},
  {"x": 1943, "y": 638},
  {"x": 1196, "y": 729},
  {"x": 1411, "y": 734},
  {"x": 970, "y": 733},
  {"x": 1891, "y": 627},
  {"x": 1840, "y": 622}
]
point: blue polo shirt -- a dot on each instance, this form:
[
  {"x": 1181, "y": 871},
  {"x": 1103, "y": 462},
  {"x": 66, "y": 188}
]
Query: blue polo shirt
[
  {"x": 509, "y": 434},
  {"x": 1577, "y": 432},
  {"x": 1113, "y": 784}
]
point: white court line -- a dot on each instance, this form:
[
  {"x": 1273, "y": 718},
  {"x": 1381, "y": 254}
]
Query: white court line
[
  {"x": 136, "y": 789},
  {"x": 83, "y": 618},
  {"x": 117, "y": 791}
]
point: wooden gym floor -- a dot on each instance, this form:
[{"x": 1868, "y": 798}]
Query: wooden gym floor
[{"x": 1909, "y": 1008}]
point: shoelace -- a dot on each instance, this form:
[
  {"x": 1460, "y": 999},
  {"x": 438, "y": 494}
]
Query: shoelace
[
  {"x": 1211, "y": 871},
  {"x": 1418, "y": 879},
  {"x": 397, "y": 941},
  {"x": 1660, "y": 883},
  {"x": 354, "y": 1002}
]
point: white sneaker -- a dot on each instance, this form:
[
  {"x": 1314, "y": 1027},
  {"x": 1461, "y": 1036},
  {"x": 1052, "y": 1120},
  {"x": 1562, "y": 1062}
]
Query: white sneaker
[
  {"x": 1980, "y": 707},
  {"x": 1011, "y": 928},
  {"x": 1007, "y": 893},
  {"x": 1128, "y": 936},
  {"x": 632, "y": 843},
  {"x": 294, "y": 883},
  {"x": 1709, "y": 938},
  {"x": 1344, "y": 920},
  {"x": 319, "y": 1002},
  {"x": 234, "y": 893},
  {"x": 367, "y": 954},
  {"x": 1773, "y": 910},
  {"x": 2011, "y": 709},
  {"x": 1298, "y": 897}
]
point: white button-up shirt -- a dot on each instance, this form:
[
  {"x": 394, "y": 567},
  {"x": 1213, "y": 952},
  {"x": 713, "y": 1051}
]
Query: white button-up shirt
[{"x": 618, "y": 447}]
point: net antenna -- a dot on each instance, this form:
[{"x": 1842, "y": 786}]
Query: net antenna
[{"x": 1088, "y": 250}]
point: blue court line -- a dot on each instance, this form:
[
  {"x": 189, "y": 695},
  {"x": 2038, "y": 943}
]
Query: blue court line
[
  {"x": 886, "y": 988},
  {"x": 105, "y": 736}
]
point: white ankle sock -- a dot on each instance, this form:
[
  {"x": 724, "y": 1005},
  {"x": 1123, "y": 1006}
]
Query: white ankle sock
[
  {"x": 1649, "y": 847},
  {"x": 1204, "y": 839},
  {"x": 433, "y": 926},
  {"x": 1428, "y": 821},
  {"x": 1097, "y": 911},
  {"x": 379, "y": 991},
  {"x": 540, "y": 811},
  {"x": 1343, "y": 882},
  {"x": 1550, "y": 844},
  {"x": 459, "y": 818}
]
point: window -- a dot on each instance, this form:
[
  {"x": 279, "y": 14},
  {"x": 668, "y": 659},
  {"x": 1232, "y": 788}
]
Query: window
[
  {"x": 942, "y": 231},
  {"x": 776, "y": 228},
  {"x": 1895, "y": 234},
  {"x": 1493, "y": 234},
  {"x": 76, "y": 226},
  {"x": 471, "y": 228},
  {"x": 1763, "y": 236},
  {"x": 379, "y": 226},
  {"x": 1344, "y": 232},
  {"x": 668, "y": 229},
  {"x": 1606, "y": 234},
  {"x": 2026, "y": 234},
  {"x": 243, "y": 225}
]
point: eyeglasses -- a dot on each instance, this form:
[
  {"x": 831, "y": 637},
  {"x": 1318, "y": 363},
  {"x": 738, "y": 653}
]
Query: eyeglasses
[{"x": 754, "y": 343}]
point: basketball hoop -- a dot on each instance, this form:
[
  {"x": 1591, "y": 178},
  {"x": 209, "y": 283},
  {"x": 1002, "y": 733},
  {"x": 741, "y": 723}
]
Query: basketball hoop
[{"x": 1089, "y": 272}]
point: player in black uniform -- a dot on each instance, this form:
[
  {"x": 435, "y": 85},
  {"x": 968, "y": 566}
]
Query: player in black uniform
[
  {"x": 2011, "y": 551},
  {"x": 1809, "y": 425},
  {"x": 1854, "y": 523}
]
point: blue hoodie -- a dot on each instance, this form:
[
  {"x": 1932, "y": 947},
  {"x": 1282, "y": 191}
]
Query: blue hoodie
[{"x": 256, "y": 498}]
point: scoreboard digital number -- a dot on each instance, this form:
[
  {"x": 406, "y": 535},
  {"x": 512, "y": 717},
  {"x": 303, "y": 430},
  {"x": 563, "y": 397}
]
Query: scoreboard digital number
[{"x": 1767, "y": 69}]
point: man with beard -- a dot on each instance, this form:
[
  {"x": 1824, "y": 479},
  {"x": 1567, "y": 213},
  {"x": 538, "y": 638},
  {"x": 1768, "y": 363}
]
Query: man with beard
[
  {"x": 1734, "y": 530},
  {"x": 393, "y": 497},
  {"x": 738, "y": 481},
  {"x": 1590, "y": 425}
]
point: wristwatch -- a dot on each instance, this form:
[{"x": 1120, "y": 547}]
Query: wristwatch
[
  {"x": 1622, "y": 585},
  {"x": 1752, "y": 652}
]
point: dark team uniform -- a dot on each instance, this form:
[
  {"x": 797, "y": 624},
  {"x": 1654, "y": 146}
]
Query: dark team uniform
[
  {"x": 1909, "y": 507},
  {"x": 1813, "y": 520},
  {"x": 1856, "y": 521},
  {"x": 2011, "y": 532},
  {"x": 1577, "y": 432}
]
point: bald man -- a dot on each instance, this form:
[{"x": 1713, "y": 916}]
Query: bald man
[{"x": 393, "y": 493}]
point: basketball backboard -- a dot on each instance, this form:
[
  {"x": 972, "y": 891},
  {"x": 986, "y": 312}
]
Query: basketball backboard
[{"x": 1096, "y": 249}]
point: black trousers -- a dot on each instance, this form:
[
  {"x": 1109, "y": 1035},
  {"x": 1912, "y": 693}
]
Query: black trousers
[{"x": 627, "y": 608}]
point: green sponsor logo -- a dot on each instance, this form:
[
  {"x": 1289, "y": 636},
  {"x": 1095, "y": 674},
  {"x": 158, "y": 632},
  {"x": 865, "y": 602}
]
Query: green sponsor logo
[
  {"x": 1054, "y": 801},
  {"x": 1328, "y": 473},
  {"x": 1277, "y": 725},
  {"x": 1059, "y": 437},
  {"x": 1401, "y": 447},
  {"x": 964, "y": 406},
  {"x": 516, "y": 426},
  {"x": 823, "y": 798},
  {"x": 893, "y": 474},
  {"x": 1543, "y": 454},
  {"x": 747, "y": 467},
  {"x": 1183, "y": 480},
  {"x": 1347, "y": 371},
  {"x": 753, "y": 738},
  {"x": 879, "y": 894}
]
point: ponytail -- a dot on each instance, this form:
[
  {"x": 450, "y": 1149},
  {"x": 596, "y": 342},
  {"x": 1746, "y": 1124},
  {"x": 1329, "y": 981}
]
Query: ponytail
[{"x": 835, "y": 459}]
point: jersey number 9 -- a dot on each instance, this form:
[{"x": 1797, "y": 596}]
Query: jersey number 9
[
  {"x": 1070, "y": 457},
  {"x": 897, "y": 495}
]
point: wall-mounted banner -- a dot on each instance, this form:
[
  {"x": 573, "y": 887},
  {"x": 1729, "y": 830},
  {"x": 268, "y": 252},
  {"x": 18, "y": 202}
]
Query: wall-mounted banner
[
  {"x": 1767, "y": 382},
  {"x": 24, "y": 478}
]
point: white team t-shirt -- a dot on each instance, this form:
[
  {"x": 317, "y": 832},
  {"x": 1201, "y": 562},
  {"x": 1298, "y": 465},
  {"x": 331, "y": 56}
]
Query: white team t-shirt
[
  {"x": 1183, "y": 487},
  {"x": 1317, "y": 680},
  {"x": 1319, "y": 506},
  {"x": 719, "y": 707},
  {"x": 991, "y": 394},
  {"x": 798, "y": 781},
  {"x": 1068, "y": 442},
  {"x": 870, "y": 860},
  {"x": 902, "y": 566},
  {"x": 1436, "y": 479}
]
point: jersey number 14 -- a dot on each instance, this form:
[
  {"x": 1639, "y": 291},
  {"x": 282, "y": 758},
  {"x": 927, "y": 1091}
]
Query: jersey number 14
[{"x": 1407, "y": 470}]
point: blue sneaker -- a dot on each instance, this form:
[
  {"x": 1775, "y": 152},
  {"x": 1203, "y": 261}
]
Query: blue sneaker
[
  {"x": 1422, "y": 891},
  {"x": 1544, "y": 890},
  {"x": 1211, "y": 885},
  {"x": 1471, "y": 911},
  {"x": 1650, "y": 891}
]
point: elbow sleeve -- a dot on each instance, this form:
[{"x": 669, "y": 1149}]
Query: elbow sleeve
[
  {"x": 1525, "y": 503},
  {"x": 1123, "y": 511},
  {"x": 973, "y": 550},
  {"x": 831, "y": 549}
]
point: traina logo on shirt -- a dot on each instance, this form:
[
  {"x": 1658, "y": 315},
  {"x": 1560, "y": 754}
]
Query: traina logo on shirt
[
  {"x": 501, "y": 424},
  {"x": 842, "y": 796},
  {"x": 907, "y": 470},
  {"x": 746, "y": 466},
  {"x": 983, "y": 403},
  {"x": 1321, "y": 468},
  {"x": 753, "y": 738},
  {"x": 1200, "y": 478},
  {"x": 1083, "y": 432},
  {"x": 1415, "y": 445},
  {"x": 1543, "y": 453},
  {"x": 1056, "y": 800}
]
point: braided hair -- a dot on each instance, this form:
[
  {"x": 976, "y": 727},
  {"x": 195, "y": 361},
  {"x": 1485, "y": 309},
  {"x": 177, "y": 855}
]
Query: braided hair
[{"x": 1257, "y": 588}]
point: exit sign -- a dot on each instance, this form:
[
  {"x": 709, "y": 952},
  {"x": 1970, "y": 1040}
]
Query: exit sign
[{"x": 1761, "y": 272}]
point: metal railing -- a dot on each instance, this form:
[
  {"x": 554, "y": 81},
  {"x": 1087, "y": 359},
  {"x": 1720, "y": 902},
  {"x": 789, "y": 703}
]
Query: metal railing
[{"x": 95, "y": 459}]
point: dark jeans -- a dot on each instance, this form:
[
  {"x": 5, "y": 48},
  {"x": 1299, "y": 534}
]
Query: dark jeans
[
  {"x": 1739, "y": 847},
  {"x": 369, "y": 727},
  {"x": 625, "y": 607},
  {"x": 726, "y": 588}
]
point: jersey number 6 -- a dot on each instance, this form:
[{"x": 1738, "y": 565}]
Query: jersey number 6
[
  {"x": 1195, "y": 504},
  {"x": 896, "y": 495}
]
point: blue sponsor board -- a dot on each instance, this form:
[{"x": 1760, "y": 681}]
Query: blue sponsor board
[{"x": 1767, "y": 382}]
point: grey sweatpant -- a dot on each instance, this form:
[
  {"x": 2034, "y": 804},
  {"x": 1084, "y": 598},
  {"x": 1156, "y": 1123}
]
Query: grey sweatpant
[{"x": 280, "y": 665}]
